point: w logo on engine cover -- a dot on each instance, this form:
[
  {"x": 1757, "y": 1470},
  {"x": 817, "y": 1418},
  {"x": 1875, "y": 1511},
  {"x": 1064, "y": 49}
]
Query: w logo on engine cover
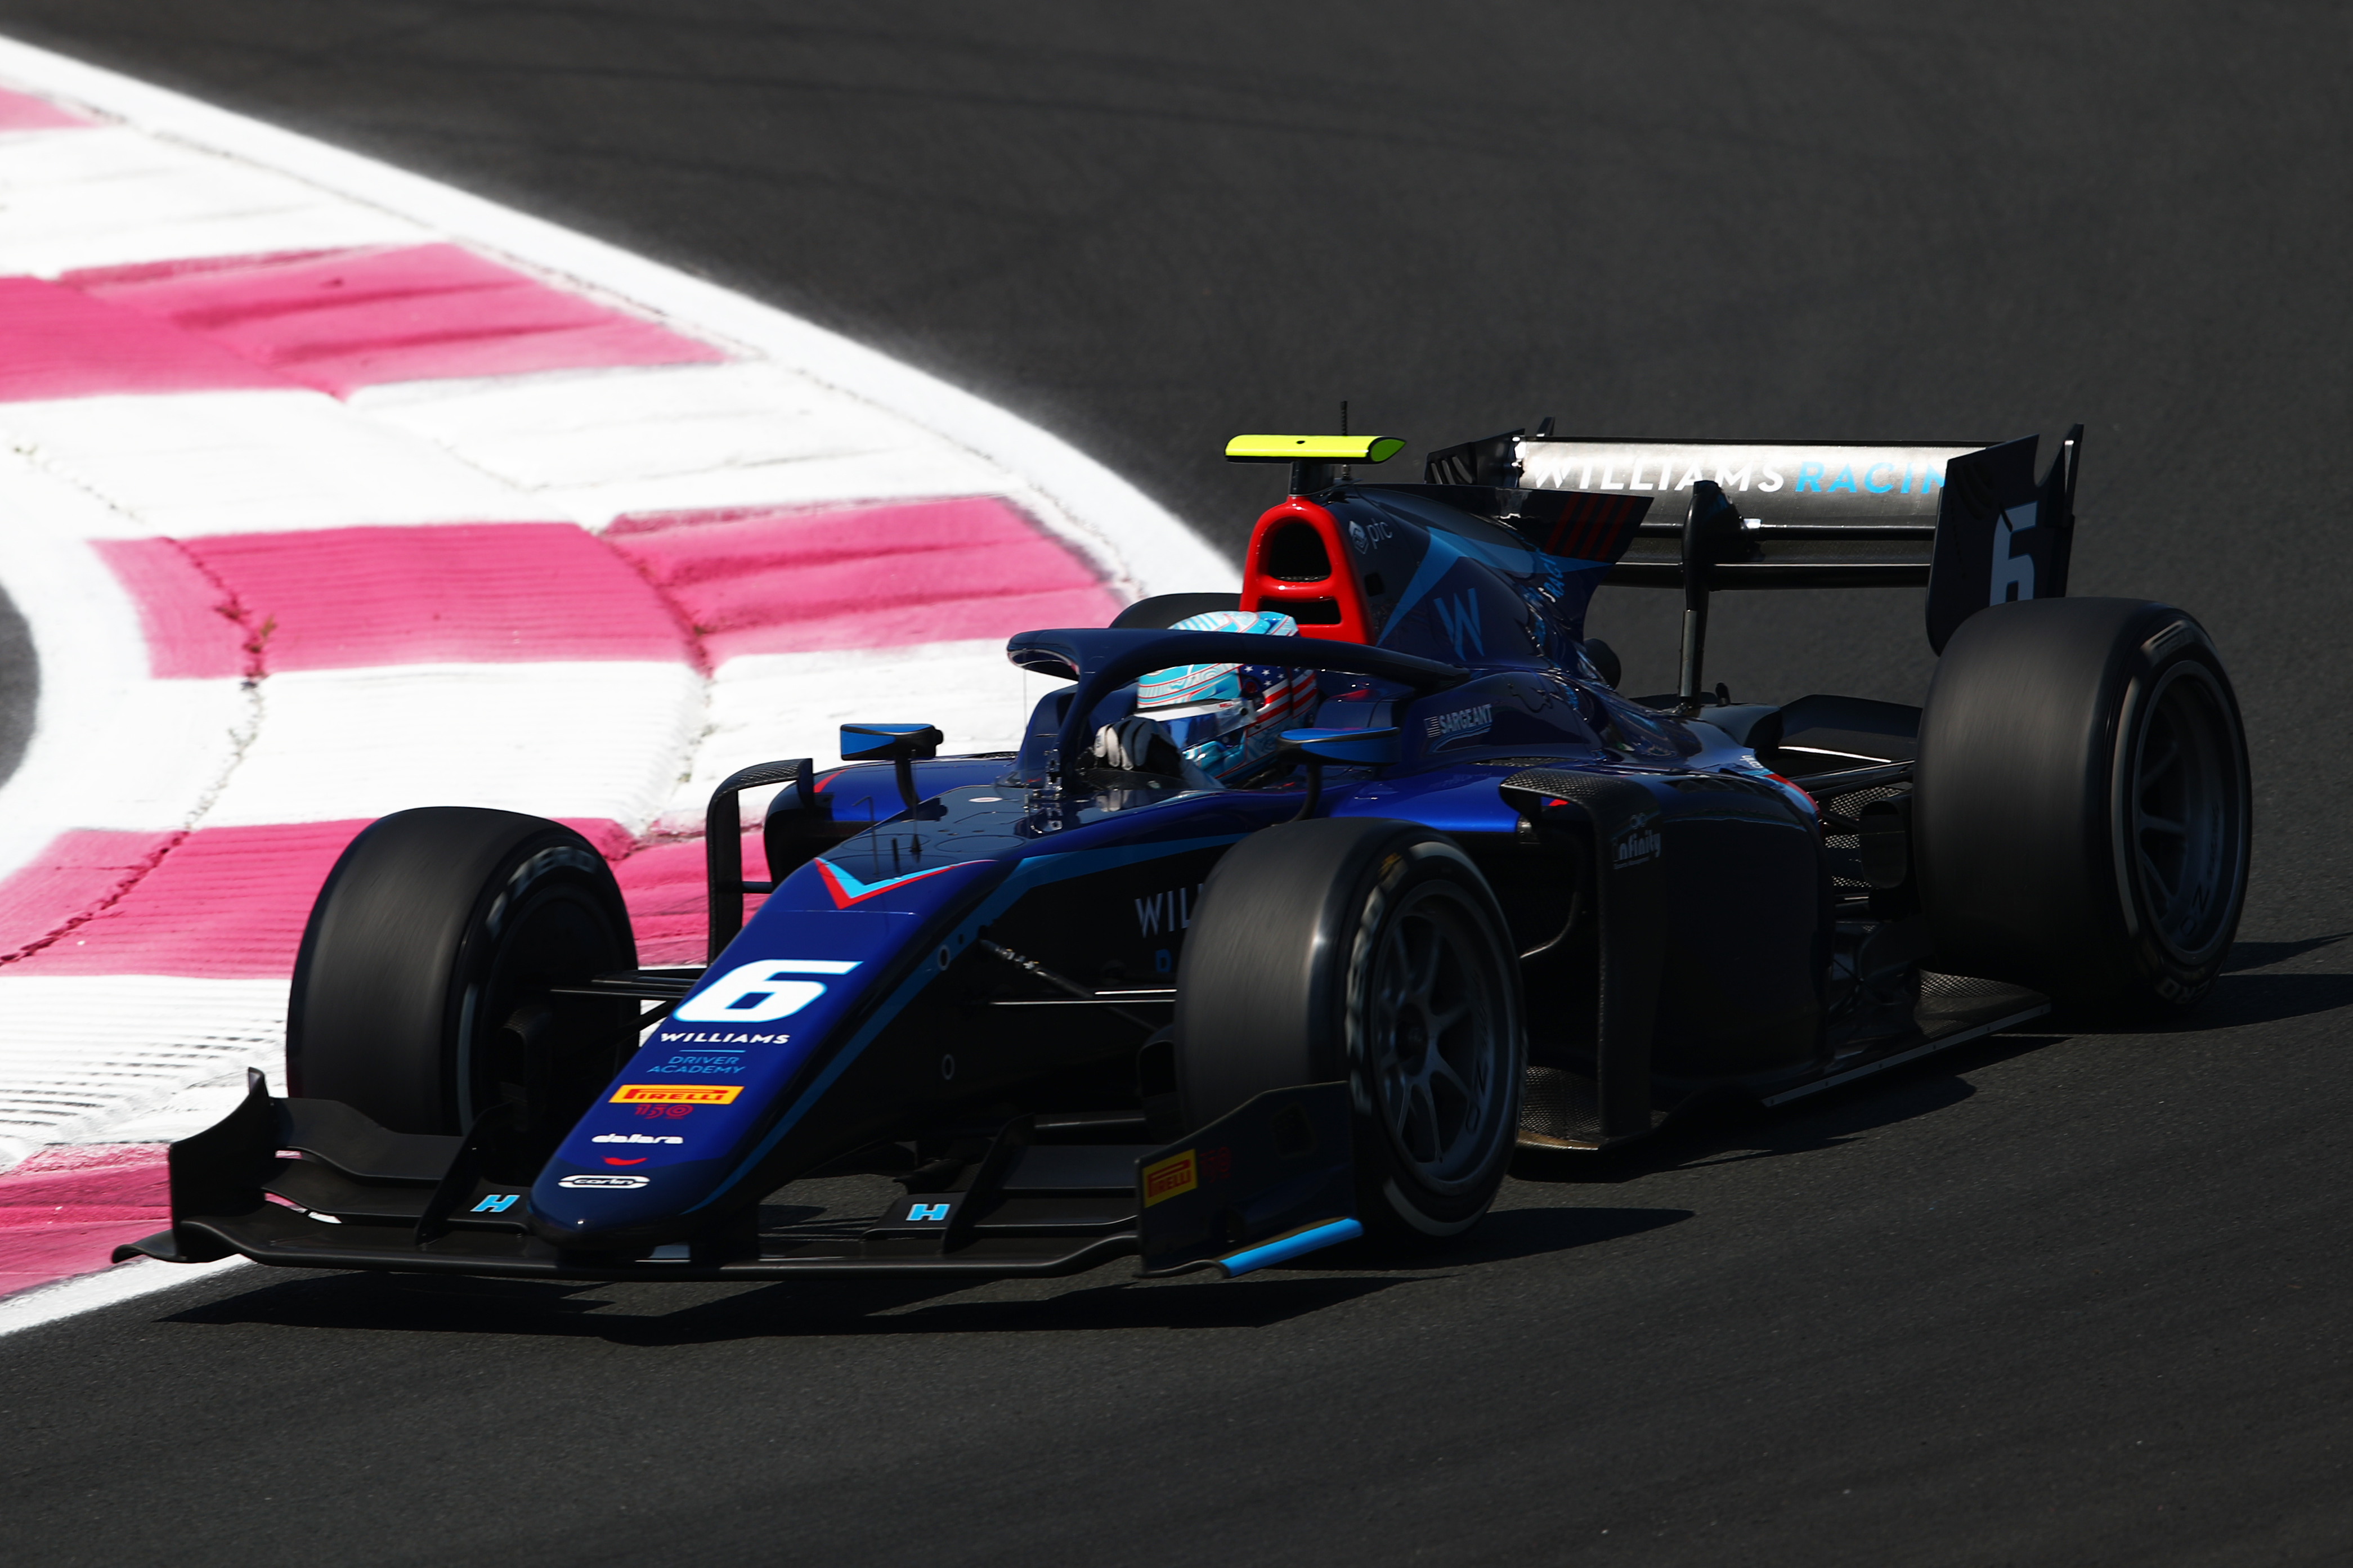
[{"x": 1459, "y": 613}]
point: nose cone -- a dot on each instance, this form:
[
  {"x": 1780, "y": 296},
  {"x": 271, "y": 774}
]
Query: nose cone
[{"x": 604, "y": 1210}]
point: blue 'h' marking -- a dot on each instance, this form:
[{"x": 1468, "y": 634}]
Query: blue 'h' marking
[
  {"x": 927, "y": 1212},
  {"x": 498, "y": 1202}
]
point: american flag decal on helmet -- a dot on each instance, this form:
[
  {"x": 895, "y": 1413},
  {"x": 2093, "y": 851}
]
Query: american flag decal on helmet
[
  {"x": 1594, "y": 527},
  {"x": 1283, "y": 694}
]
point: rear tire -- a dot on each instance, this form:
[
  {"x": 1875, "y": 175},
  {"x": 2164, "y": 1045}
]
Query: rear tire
[
  {"x": 1371, "y": 951},
  {"x": 1163, "y": 611},
  {"x": 2081, "y": 815},
  {"x": 421, "y": 993}
]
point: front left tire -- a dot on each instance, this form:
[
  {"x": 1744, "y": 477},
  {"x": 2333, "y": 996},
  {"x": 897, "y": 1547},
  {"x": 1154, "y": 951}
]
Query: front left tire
[{"x": 423, "y": 992}]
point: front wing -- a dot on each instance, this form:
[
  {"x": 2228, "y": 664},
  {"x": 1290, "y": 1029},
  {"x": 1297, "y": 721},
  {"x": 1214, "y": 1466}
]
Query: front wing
[{"x": 310, "y": 1183}]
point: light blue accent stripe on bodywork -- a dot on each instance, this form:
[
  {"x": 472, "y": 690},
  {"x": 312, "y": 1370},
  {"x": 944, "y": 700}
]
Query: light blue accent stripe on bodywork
[
  {"x": 1330, "y": 1234},
  {"x": 1036, "y": 871},
  {"x": 1442, "y": 553},
  {"x": 1446, "y": 549}
]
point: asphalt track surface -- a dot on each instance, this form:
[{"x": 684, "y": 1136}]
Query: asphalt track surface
[{"x": 2077, "y": 1295}]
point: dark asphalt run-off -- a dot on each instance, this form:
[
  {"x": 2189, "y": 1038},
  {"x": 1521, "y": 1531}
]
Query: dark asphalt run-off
[{"x": 2072, "y": 1296}]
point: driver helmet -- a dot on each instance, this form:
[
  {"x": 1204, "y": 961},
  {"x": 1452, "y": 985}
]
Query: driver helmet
[{"x": 1226, "y": 717}]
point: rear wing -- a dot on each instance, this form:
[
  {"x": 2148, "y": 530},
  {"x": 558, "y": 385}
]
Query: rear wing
[{"x": 1969, "y": 521}]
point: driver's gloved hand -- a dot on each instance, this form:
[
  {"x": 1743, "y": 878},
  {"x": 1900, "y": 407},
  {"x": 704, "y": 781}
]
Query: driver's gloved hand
[{"x": 1138, "y": 745}]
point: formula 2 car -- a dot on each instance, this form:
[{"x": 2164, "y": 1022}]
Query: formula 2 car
[{"x": 1297, "y": 911}]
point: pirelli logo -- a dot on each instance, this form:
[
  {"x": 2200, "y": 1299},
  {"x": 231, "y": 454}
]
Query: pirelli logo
[
  {"x": 675, "y": 1094},
  {"x": 1167, "y": 1178}
]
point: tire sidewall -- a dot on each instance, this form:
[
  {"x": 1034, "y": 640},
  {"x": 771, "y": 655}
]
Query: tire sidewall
[
  {"x": 2178, "y": 649},
  {"x": 388, "y": 998}
]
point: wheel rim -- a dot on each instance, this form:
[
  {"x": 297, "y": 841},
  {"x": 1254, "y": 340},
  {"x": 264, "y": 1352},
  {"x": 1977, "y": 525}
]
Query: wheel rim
[
  {"x": 1438, "y": 1045},
  {"x": 557, "y": 936},
  {"x": 2187, "y": 814}
]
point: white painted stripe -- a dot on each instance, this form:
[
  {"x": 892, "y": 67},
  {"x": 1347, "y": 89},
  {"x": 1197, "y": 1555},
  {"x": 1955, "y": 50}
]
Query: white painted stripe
[
  {"x": 189, "y": 1110},
  {"x": 83, "y": 1054},
  {"x": 767, "y": 706},
  {"x": 1144, "y": 545},
  {"x": 602, "y": 444},
  {"x": 113, "y": 197},
  {"x": 602, "y": 739},
  {"x": 248, "y": 462},
  {"x": 111, "y": 748},
  {"x": 123, "y": 1282},
  {"x": 157, "y": 753}
]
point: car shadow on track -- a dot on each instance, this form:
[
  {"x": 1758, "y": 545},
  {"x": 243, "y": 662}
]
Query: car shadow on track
[
  {"x": 1507, "y": 1233},
  {"x": 672, "y": 1315},
  {"x": 669, "y": 1315},
  {"x": 2244, "y": 994},
  {"x": 1728, "y": 1132},
  {"x": 2263, "y": 954},
  {"x": 2240, "y": 999}
]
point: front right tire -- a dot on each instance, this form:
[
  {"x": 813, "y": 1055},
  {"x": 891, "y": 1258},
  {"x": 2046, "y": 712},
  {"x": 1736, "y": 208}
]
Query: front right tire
[{"x": 1371, "y": 951}]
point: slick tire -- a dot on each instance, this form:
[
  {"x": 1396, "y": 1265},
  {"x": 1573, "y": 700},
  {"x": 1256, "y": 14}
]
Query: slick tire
[
  {"x": 1164, "y": 610},
  {"x": 1371, "y": 951},
  {"x": 2081, "y": 809},
  {"x": 421, "y": 993}
]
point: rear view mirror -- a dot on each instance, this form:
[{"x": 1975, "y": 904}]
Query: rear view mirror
[
  {"x": 901, "y": 745},
  {"x": 889, "y": 742}
]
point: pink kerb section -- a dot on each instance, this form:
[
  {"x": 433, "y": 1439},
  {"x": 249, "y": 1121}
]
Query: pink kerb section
[
  {"x": 229, "y": 903},
  {"x": 78, "y": 874},
  {"x": 690, "y": 586},
  {"x": 790, "y": 580},
  {"x": 64, "y": 1210},
  {"x": 664, "y": 887},
  {"x": 224, "y": 903},
  {"x": 62, "y": 343},
  {"x": 192, "y": 623},
  {"x": 22, "y": 111},
  {"x": 348, "y": 597},
  {"x": 352, "y": 319}
]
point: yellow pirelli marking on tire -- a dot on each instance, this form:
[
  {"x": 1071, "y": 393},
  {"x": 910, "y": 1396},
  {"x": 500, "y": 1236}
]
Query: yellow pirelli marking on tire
[
  {"x": 1167, "y": 1178},
  {"x": 675, "y": 1094}
]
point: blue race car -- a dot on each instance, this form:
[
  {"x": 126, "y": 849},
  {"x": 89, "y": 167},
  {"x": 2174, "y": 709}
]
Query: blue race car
[{"x": 1298, "y": 911}]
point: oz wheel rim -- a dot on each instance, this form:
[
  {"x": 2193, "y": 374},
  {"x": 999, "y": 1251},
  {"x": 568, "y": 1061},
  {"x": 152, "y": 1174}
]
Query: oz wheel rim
[
  {"x": 557, "y": 936},
  {"x": 2188, "y": 816},
  {"x": 1437, "y": 1036}
]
